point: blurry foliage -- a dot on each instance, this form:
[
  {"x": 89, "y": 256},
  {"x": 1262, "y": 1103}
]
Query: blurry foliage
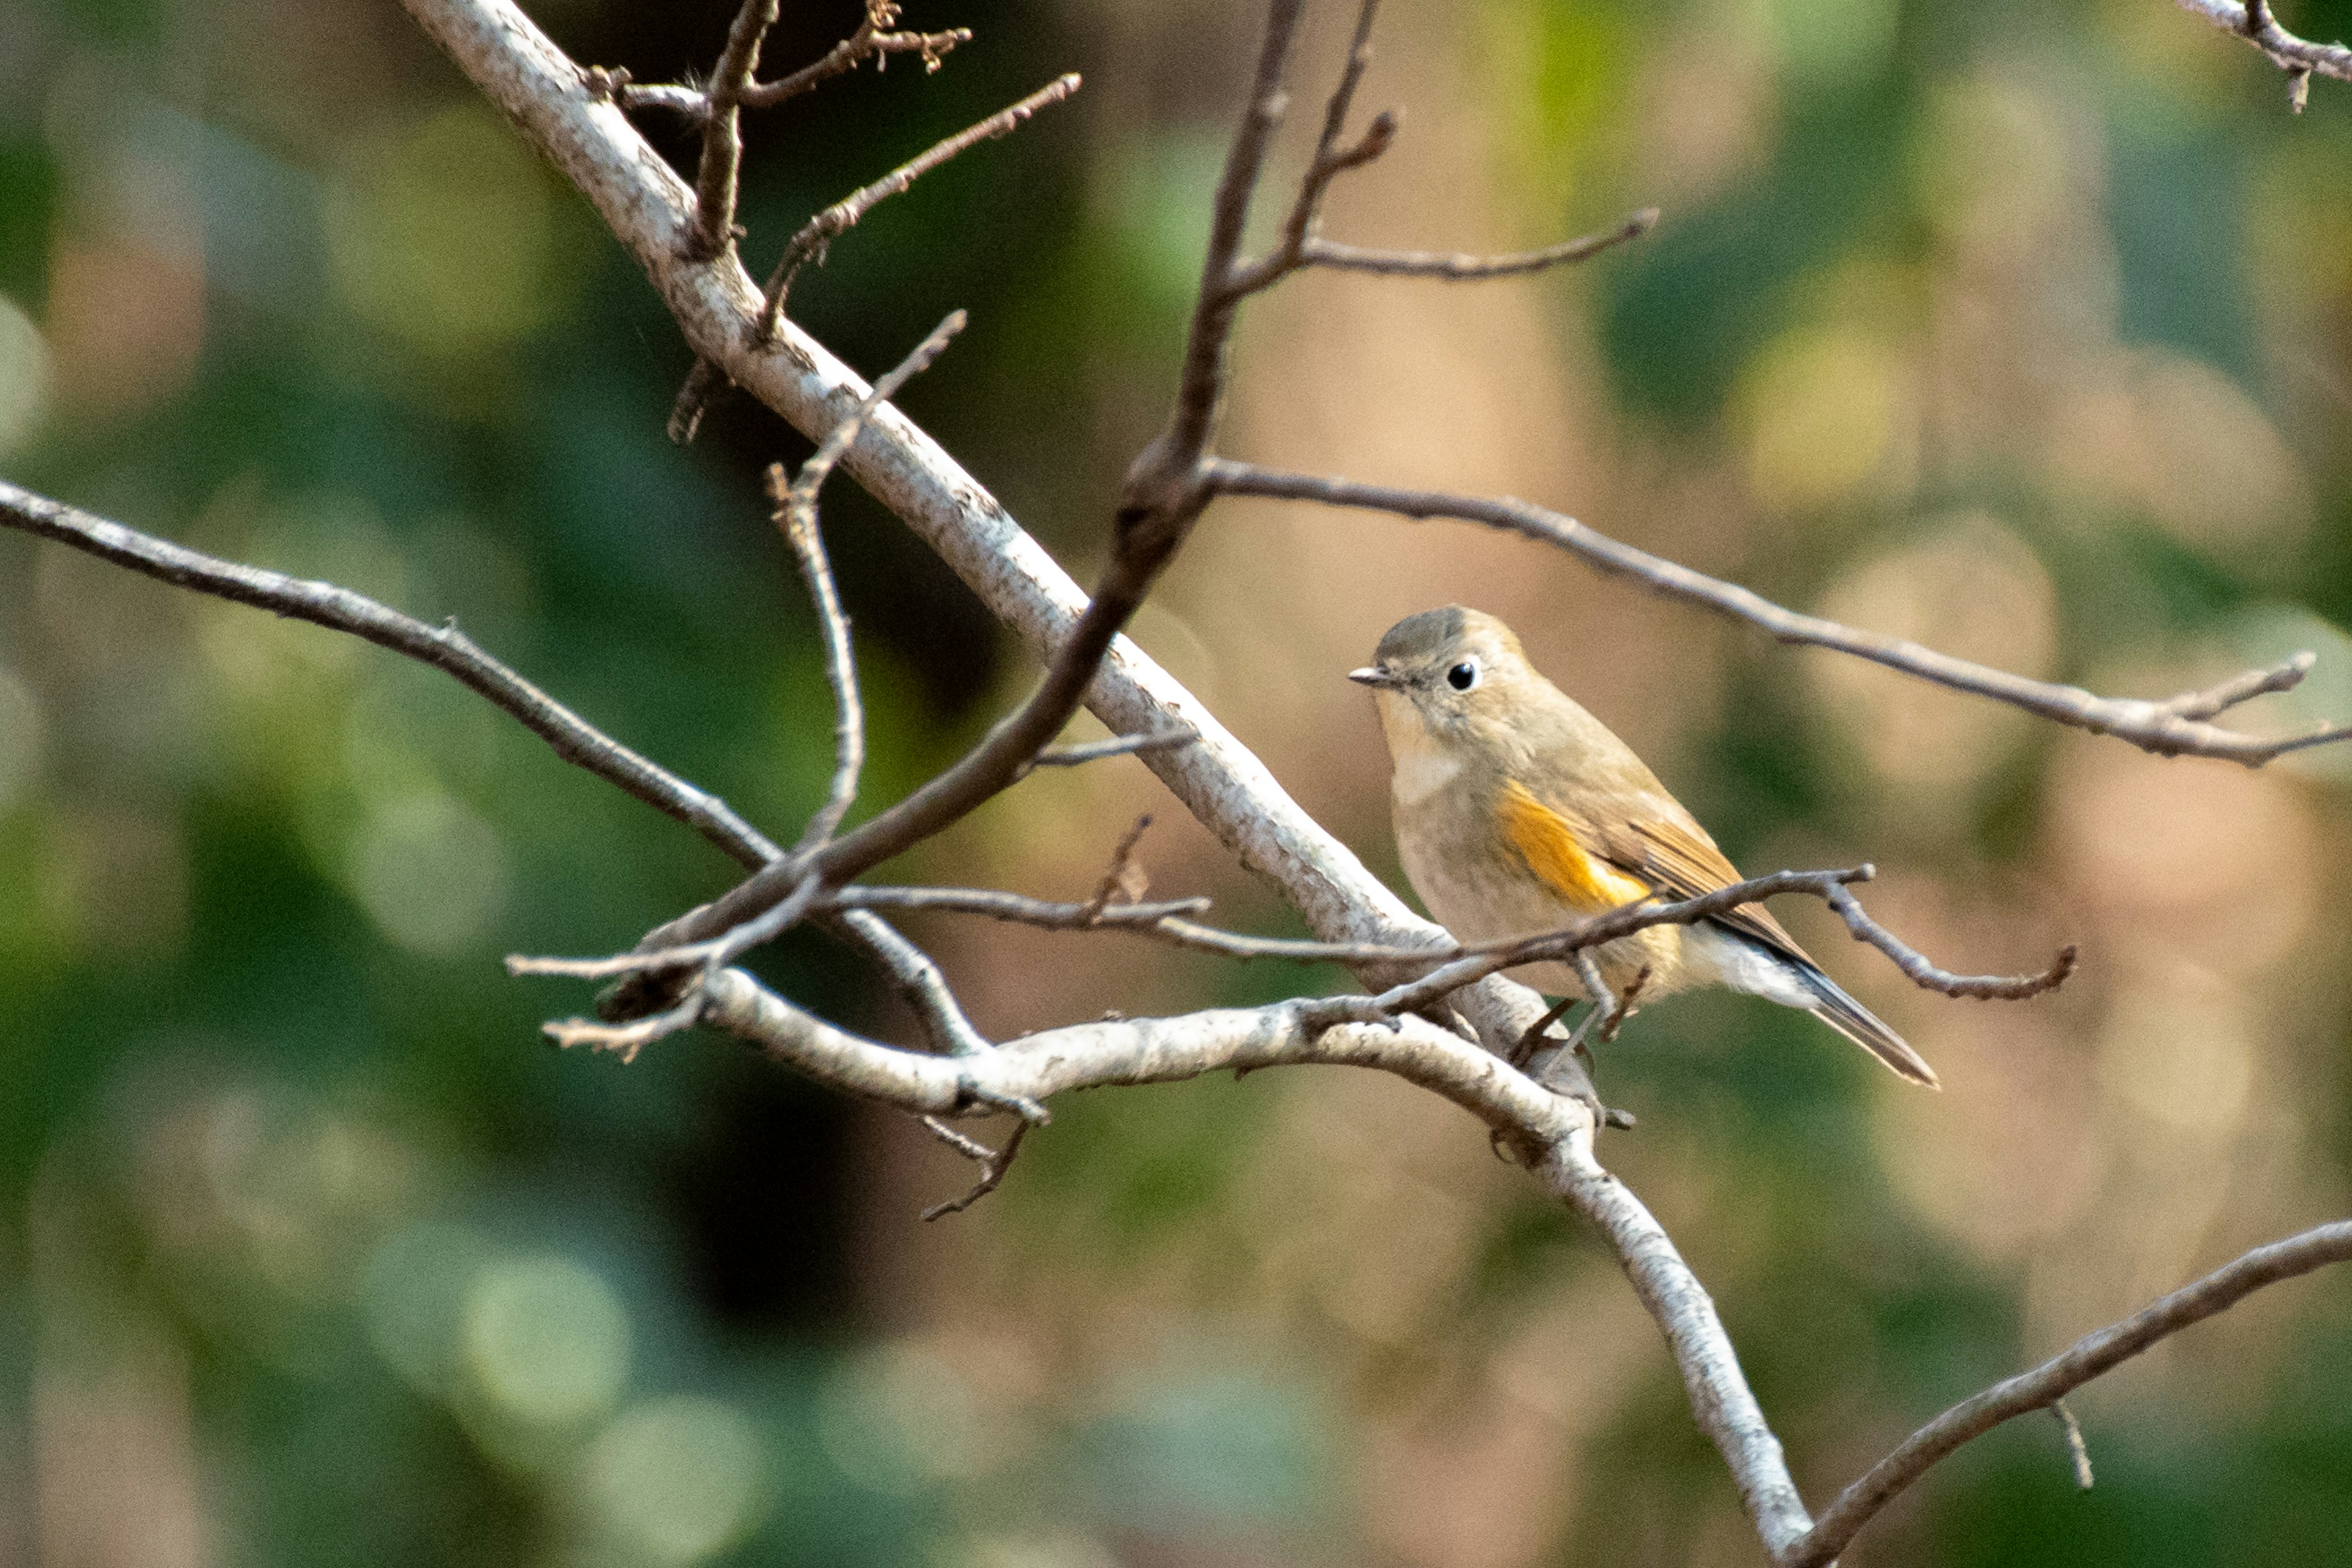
[{"x": 311, "y": 1250}]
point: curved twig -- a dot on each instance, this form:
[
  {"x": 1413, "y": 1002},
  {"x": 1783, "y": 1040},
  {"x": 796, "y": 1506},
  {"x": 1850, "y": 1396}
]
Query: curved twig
[{"x": 2045, "y": 1385}]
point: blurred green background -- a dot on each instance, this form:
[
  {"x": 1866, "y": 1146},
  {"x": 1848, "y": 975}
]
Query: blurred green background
[{"x": 2026, "y": 330}]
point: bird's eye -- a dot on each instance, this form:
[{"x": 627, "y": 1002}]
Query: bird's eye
[{"x": 1462, "y": 676}]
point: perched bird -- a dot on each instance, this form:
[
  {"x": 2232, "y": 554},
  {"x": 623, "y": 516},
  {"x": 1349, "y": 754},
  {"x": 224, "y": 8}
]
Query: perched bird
[{"x": 1517, "y": 812}]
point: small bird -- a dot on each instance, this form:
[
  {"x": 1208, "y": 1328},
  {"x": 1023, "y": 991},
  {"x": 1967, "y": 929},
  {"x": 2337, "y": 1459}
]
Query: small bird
[{"x": 1518, "y": 812}]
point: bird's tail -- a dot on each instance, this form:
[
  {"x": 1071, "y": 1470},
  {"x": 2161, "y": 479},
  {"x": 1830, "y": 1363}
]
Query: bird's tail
[{"x": 1858, "y": 1024}]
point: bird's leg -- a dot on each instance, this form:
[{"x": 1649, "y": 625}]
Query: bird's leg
[{"x": 1604, "y": 1005}]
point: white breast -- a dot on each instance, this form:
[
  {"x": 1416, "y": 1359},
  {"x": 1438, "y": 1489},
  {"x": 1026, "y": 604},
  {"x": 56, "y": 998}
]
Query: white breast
[{"x": 1423, "y": 767}]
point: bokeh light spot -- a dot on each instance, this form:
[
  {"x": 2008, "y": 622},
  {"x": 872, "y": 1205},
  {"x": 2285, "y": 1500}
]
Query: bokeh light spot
[
  {"x": 412, "y": 1296},
  {"x": 675, "y": 1480},
  {"x": 27, "y": 377},
  {"x": 444, "y": 234},
  {"x": 899, "y": 1418},
  {"x": 546, "y": 1339},
  {"x": 430, "y": 872},
  {"x": 20, "y": 738},
  {"x": 1968, "y": 588},
  {"x": 1824, "y": 412}
]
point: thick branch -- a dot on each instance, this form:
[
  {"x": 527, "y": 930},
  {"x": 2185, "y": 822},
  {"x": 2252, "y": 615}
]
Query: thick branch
[
  {"x": 445, "y": 648},
  {"x": 2168, "y": 729},
  {"x": 2044, "y": 1386}
]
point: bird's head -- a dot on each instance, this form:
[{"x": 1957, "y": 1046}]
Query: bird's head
[{"x": 1449, "y": 679}]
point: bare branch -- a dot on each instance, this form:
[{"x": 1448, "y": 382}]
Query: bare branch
[
  {"x": 2240, "y": 689},
  {"x": 796, "y": 515},
  {"x": 1115, "y": 878},
  {"x": 1440, "y": 970},
  {"x": 2299, "y": 58},
  {"x": 1302, "y": 244},
  {"x": 2044, "y": 1386},
  {"x": 993, "y": 1163},
  {"x": 1116, "y": 746},
  {"x": 1456, "y": 267},
  {"x": 1164, "y": 479},
  {"x": 822, "y": 230},
  {"x": 2152, "y": 726},
  {"x": 444, "y": 648},
  {"x": 722, "y": 144},
  {"x": 2076, "y": 1449},
  {"x": 704, "y": 385},
  {"x": 868, "y": 42},
  {"x": 917, "y": 979}
]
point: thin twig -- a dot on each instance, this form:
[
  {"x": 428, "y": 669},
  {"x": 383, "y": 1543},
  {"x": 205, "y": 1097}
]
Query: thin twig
[
  {"x": 1459, "y": 267},
  {"x": 625, "y": 1041},
  {"x": 1115, "y": 877},
  {"x": 2087, "y": 1358},
  {"x": 2076, "y": 1449},
  {"x": 993, "y": 1163},
  {"x": 2151, "y": 726},
  {"x": 1166, "y": 472},
  {"x": 706, "y": 384},
  {"x": 820, "y": 231},
  {"x": 2253, "y": 683},
  {"x": 694, "y": 103},
  {"x": 722, "y": 143},
  {"x": 445, "y": 648},
  {"x": 917, "y": 979},
  {"x": 869, "y": 41},
  {"x": 796, "y": 515},
  {"x": 1116, "y": 746},
  {"x": 1927, "y": 978}
]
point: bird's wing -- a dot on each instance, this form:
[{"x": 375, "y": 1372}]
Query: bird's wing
[{"x": 1657, "y": 844}]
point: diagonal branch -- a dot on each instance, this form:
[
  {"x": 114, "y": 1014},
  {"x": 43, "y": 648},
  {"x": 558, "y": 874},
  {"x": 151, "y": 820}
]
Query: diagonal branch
[
  {"x": 1217, "y": 778},
  {"x": 444, "y": 648},
  {"x": 2171, "y": 729},
  {"x": 2043, "y": 1387}
]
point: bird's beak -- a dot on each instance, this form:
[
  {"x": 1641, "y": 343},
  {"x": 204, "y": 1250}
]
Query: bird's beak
[{"x": 1373, "y": 676}]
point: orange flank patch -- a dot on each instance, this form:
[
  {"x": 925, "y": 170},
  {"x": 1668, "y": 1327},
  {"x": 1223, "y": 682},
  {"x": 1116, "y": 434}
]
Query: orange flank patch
[{"x": 1544, "y": 837}]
